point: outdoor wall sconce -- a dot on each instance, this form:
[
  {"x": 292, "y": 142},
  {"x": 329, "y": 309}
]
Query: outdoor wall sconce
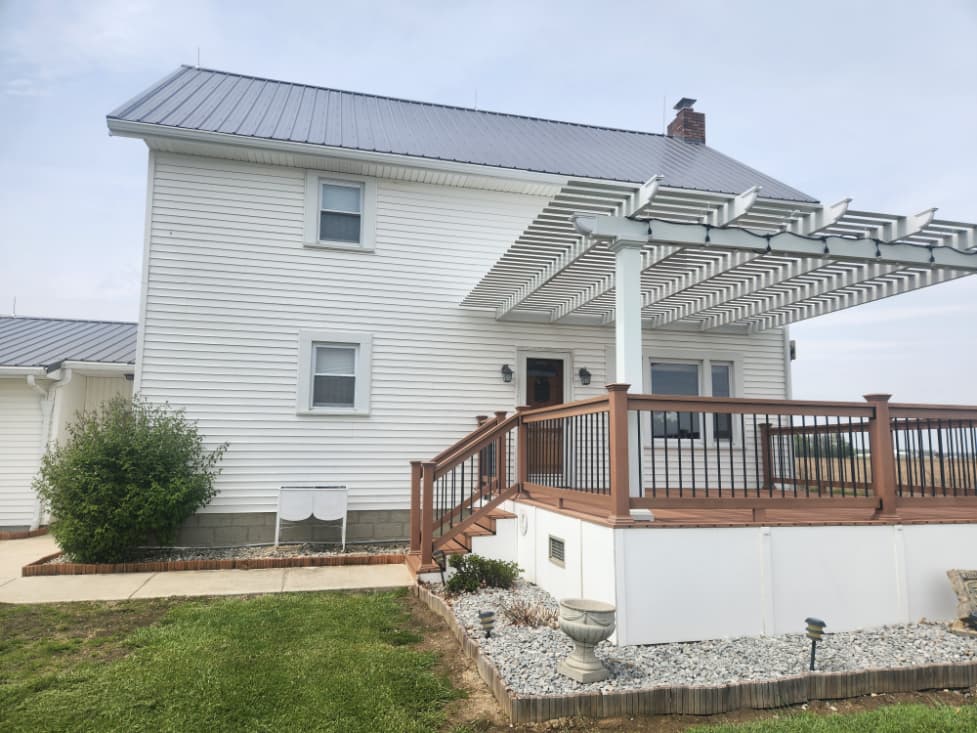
[
  {"x": 584, "y": 376},
  {"x": 815, "y": 632},
  {"x": 487, "y": 619},
  {"x": 506, "y": 373}
]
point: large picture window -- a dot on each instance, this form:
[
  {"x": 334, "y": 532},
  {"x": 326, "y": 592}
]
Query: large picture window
[{"x": 685, "y": 378}]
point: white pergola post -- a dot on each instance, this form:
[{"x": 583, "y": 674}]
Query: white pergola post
[{"x": 627, "y": 337}]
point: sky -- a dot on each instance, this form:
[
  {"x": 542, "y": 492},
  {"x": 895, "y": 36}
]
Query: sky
[{"x": 870, "y": 99}]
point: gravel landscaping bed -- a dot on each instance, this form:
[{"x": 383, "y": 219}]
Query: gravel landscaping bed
[
  {"x": 526, "y": 657},
  {"x": 308, "y": 549}
]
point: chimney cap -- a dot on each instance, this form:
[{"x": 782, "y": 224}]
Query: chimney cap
[{"x": 684, "y": 103}]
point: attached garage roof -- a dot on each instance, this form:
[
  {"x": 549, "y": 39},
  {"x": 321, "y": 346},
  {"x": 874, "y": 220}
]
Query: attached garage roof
[
  {"x": 208, "y": 101},
  {"x": 43, "y": 342}
]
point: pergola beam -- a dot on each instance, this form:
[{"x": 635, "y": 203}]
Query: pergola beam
[
  {"x": 606, "y": 283},
  {"x": 794, "y": 293},
  {"x": 733, "y": 209},
  {"x": 896, "y": 283},
  {"x": 821, "y": 218},
  {"x": 730, "y": 261},
  {"x": 735, "y": 239},
  {"x": 723, "y": 215},
  {"x": 579, "y": 247},
  {"x": 741, "y": 289}
]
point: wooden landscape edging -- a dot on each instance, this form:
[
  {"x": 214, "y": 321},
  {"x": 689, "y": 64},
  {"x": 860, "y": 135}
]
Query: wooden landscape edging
[
  {"x": 39, "y": 567},
  {"x": 701, "y": 700}
]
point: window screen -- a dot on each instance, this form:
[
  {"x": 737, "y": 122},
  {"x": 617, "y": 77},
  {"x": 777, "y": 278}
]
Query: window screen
[
  {"x": 334, "y": 375},
  {"x": 340, "y": 212}
]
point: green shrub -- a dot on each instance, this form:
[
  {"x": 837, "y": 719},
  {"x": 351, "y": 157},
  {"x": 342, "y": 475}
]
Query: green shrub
[
  {"x": 474, "y": 571},
  {"x": 131, "y": 471}
]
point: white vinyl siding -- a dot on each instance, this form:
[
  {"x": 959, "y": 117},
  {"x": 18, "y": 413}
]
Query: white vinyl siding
[
  {"x": 231, "y": 287},
  {"x": 21, "y": 434},
  {"x": 20, "y": 451}
]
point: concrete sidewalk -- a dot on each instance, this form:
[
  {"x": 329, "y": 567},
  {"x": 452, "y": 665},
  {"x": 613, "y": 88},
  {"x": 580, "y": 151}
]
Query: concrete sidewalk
[{"x": 118, "y": 586}]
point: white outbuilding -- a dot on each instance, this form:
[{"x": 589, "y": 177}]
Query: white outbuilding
[{"x": 50, "y": 369}]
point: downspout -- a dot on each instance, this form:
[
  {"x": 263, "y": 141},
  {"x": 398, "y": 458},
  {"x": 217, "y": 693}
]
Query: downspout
[{"x": 46, "y": 403}]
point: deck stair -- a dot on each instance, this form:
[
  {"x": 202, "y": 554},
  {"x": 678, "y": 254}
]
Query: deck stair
[
  {"x": 458, "y": 498},
  {"x": 486, "y": 526}
]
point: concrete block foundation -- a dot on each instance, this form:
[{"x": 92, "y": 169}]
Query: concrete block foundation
[{"x": 252, "y": 528}]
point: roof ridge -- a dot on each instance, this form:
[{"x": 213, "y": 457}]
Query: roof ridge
[
  {"x": 118, "y": 112},
  {"x": 66, "y": 320}
]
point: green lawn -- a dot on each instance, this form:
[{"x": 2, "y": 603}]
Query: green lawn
[
  {"x": 293, "y": 662},
  {"x": 892, "y": 719},
  {"x": 300, "y": 662}
]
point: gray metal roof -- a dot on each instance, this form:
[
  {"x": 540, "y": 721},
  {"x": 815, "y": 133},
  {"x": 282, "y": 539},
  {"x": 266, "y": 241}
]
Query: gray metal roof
[
  {"x": 48, "y": 341},
  {"x": 217, "y": 101}
]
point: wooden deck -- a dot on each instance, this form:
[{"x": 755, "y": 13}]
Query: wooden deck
[{"x": 705, "y": 462}]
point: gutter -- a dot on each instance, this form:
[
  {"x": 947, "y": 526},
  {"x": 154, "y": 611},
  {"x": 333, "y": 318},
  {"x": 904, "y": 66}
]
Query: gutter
[
  {"x": 99, "y": 366},
  {"x": 22, "y": 371},
  {"x": 46, "y": 403}
]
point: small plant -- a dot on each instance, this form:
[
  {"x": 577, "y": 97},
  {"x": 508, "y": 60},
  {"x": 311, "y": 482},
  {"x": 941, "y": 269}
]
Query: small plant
[
  {"x": 535, "y": 615},
  {"x": 474, "y": 571},
  {"x": 131, "y": 471}
]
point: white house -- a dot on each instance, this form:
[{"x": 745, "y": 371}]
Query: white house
[
  {"x": 338, "y": 283},
  {"x": 50, "y": 369},
  {"x": 292, "y": 229}
]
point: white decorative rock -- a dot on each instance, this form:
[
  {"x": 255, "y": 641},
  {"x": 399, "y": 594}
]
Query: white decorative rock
[{"x": 588, "y": 623}]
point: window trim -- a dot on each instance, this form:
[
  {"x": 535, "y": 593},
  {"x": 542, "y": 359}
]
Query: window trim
[
  {"x": 368, "y": 205},
  {"x": 305, "y": 382}
]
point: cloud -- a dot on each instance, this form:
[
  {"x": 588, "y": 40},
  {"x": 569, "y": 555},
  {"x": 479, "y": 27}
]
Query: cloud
[
  {"x": 23, "y": 88},
  {"x": 45, "y": 42}
]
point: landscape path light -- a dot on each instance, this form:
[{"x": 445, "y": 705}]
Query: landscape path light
[
  {"x": 487, "y": 619},
  {"x": 815, "y": 632}
]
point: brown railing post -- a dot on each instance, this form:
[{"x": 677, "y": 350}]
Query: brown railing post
[
  {"x": 501, "y": 458},
  {"x": 882, "y": 455},
  {"x": 427, "y": 517},
  {"x": 766, "y": 456},
  {"x": 522, "y": 450},
  {"x": 415, "y": 507},
  {"x": 619, "y": 459}
]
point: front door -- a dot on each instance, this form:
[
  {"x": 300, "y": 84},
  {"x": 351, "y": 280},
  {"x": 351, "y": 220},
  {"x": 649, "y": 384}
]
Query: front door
[{"x": 544, "y": 387}]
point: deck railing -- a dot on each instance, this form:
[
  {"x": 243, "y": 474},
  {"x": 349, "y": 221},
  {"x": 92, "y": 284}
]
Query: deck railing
[{"x": 607, "y": 455}]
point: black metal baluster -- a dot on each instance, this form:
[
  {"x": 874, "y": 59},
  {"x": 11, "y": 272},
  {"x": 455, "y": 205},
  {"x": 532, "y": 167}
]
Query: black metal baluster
[
  {"x": 756, "y": 454},
  {"x": 679, "y": 443},
  {"x": 668, "y": 483},
  {"x": 654, "y": 453},
  {"x": 742, "y": 448}
]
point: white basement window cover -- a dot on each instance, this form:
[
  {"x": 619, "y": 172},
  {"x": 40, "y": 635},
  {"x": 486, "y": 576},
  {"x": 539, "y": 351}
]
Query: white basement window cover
[{"x": 712, "y": 260}]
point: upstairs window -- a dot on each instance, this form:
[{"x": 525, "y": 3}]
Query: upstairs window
[{"x": 339, "y": 211}]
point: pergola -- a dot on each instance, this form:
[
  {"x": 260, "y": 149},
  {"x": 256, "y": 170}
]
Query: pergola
[{"x": 655, "y": 257}]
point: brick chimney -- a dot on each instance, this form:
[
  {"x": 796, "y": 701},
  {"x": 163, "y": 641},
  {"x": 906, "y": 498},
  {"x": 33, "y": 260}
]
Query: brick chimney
[{"x": 688, "y": 124}]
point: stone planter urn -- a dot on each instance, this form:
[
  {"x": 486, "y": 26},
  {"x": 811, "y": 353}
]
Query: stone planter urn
[{"x": 588, "y": 623}]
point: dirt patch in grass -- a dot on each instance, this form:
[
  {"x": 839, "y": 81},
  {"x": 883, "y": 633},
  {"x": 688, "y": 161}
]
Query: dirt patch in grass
[
  {"x": 48, "y": 637},
  {"x": 477, "y": 710}
]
